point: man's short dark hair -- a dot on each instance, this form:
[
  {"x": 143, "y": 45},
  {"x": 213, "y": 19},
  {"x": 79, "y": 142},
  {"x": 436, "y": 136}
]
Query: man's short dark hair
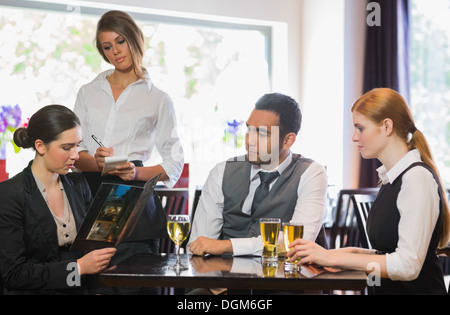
[{"x": 287, "y": 109}]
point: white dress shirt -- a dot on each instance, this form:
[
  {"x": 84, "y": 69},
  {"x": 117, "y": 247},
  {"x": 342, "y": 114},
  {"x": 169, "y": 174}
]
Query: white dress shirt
[
  {"x": 418, "y": 205},
  {"x": 142, "y": 117},
  {"x": 310, "y": 208}
]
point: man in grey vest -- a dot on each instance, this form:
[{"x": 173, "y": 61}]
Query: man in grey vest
[{"x": 228, "y": 213}]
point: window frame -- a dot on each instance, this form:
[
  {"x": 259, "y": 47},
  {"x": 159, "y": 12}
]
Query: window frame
[{"x": 146, "y": 16}]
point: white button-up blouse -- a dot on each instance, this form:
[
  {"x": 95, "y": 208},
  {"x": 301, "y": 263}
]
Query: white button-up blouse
[{"x": 142, "y": 117}]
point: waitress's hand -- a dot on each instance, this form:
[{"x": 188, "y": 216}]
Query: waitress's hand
[
  {"x": 100, "y": 155},
  {"x": 126, "y": 171}
]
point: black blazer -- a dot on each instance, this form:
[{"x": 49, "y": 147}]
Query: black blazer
[{"x": 30, "y": 258}]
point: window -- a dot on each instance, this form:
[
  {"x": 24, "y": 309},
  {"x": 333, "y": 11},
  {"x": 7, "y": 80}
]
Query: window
[
  {"x": 430, "y": 77},
  {"x": 213, "y": 71}
]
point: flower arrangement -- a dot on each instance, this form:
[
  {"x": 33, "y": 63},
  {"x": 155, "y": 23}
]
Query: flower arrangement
[
  {"x": 10, "y": 120},
  {"x": 233, "y": 134}
]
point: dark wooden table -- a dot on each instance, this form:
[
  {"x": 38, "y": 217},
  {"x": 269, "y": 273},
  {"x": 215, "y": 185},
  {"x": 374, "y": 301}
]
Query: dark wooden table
[
  {"x": 445, "y": 250},
  {"x": 242, "y": 273}
]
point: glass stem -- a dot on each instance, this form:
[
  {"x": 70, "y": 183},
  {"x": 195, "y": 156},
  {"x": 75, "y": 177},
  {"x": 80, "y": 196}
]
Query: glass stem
[{"x": 177, "y": 249}]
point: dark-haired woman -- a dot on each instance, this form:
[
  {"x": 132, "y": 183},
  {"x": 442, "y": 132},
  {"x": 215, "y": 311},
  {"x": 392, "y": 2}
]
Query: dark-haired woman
[
  {"x": 409, "y": 219},
  {"x": 41, "y": 209}
]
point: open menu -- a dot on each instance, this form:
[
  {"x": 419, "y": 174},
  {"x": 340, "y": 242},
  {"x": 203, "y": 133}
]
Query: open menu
[{"x": 113, "y": 215}]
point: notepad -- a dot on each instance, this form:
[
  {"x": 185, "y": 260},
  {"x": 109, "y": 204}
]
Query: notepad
[{"x": 111, "y": 162}]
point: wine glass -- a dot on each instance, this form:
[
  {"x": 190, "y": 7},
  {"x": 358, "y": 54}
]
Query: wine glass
[{"x": 178, "y": 226}]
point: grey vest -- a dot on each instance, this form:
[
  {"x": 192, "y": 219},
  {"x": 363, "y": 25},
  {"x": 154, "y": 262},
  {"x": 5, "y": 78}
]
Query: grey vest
[{"x": 279, "y": 203}]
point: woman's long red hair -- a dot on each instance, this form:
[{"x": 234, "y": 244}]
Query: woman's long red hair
[{"x": 382, "y": 103}]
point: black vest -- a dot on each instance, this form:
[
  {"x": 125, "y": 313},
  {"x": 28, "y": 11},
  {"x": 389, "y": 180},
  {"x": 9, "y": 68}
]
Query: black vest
[{"x": 382, "y": 226}]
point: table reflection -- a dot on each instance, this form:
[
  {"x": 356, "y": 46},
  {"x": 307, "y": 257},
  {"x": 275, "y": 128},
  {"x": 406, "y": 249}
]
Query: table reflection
[
  {"x": 250, "y": 266},
  {"x": 227, "y": 271}
]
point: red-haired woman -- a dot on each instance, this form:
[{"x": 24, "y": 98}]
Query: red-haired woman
[{"x": 409, "y": 219}]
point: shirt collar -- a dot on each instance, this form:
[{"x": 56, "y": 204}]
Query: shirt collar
[
  {"x": 411, "y": 157},
  {"x": 280, "y": 168},
  {"x": 101, "y": 78},
  {"x": 147, "y": 80},
  {"x": 41, "y": 186},
  {"x": 42, "y": 189}
]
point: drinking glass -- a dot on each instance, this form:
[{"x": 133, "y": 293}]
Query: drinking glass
[
  {"x": 270, "y": 227},
  {"x": 269, "y": 268},
  {"x": 178, "y": 226},
  {"x": 291, "y": 232}
]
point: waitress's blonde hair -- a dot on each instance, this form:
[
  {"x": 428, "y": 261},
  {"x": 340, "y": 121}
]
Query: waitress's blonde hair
[
  {"x": 382, "y": 103},
  {"x": 123, "y": 24}
]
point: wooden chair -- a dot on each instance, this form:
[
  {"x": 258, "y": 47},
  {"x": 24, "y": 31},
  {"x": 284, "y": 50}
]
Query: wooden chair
[
  {"x": 444, "y": 254},
  {"x": 344, "y": 230},
  {"x": 362, "y": 204},
  {"x": 197, "y": 194},
  {"x": 174, "y": 200}
]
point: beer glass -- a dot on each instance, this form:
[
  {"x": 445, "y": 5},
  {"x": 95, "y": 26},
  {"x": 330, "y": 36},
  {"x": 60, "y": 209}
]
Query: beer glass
[
  {"x": 270, "y": 227},
  {"x": 269, "y": 269},
  {"x": 291, "y": 232},
  {"x": 178, "y": 226}
]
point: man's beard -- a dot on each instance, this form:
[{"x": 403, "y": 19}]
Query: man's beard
[{"x": 255, "y": 159}]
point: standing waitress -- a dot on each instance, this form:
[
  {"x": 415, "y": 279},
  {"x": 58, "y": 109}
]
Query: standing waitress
[{"x": 130, "y": 116}]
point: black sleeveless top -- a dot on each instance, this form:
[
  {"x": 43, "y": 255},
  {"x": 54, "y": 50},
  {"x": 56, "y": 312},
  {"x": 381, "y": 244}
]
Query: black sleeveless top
[{"x": 382, "y": 226}]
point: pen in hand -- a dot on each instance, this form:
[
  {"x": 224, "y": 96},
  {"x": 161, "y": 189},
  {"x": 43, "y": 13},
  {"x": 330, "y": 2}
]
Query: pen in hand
[
  {"x": 102, "y": 152},
  {"x": 98, "y": 141}
]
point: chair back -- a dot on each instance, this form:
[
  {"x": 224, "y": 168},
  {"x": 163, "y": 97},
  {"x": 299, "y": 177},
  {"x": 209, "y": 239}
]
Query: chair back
[
  {"x": 362, "y": 204},
  {"x": 174, "y": 200},
  {"x": 344, "y": 231},
  {"x": 197, "y": 195}
]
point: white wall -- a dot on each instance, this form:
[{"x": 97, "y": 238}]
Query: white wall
[
  {"x": 333, "y": 59},
  {"x": 322, "y": 88},
  {"x": 354, "y": 49}
]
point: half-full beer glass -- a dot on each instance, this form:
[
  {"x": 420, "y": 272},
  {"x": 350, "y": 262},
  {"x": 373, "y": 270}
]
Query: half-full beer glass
[
  {"x": 291, "y": 232},
  {"x": 270, "y": 227}
]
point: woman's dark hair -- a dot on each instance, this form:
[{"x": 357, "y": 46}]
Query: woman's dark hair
[
  {"x": 46, "y": 124},
  {"x": 287, "y": 109}
]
